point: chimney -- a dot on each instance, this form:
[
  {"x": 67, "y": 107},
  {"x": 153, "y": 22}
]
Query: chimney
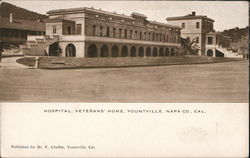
[
  {"x": 11, "y": 18},
  {"x": 193, "y": 13}
]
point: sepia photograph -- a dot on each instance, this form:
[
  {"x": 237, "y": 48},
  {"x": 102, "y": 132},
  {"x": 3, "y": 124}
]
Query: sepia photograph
[
  {"x": 83, "y": 78},
  {"x": 118, "y": 51}
]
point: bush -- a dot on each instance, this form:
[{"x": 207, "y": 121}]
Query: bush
[{"x": 28, "y": 61}]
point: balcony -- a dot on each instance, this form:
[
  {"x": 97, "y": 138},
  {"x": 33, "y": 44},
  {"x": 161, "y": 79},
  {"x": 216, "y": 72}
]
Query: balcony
[{"x": 72, "y": 38}]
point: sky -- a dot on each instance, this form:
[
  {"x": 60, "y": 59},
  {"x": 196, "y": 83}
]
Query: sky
[{"x": 227, "y": 14}]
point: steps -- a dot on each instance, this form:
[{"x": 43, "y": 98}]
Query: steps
[
  {"x": 229, "y": 53},
  {"x": 35, "y": 45}
]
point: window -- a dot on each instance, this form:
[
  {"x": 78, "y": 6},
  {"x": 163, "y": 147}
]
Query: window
[
  {"x": 149, "y": 34},
  {"x": 210, "y": 40},
  {"x": 107, "y": 32},
  {"x": 140, "y": 35},
  {"x": 94, "y": 30},
  {"x": 164, "y": 38},
  {"x": 101, "y": 31},
  {"x": 197, "y": 40},
  {"x": 69, "y": 30},
  {"x": 79, "y": 29},
  {"x": 183, "y": 25},
  {"x": 131, "y": 33},
  {"x": 197, "y": 25},
  {"x": 126, "y": 33},
  {"x": 114, "y": 32},
  {"x": 54, "y": 29},
  {"x": 120, "y": 33}
]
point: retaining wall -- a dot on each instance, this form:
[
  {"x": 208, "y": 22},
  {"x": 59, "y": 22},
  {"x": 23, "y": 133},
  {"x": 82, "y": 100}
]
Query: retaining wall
[{"x": 73, "y": 62}]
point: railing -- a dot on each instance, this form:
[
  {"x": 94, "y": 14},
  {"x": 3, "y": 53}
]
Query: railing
[
  {"x": 34, "y": 37},
  {"x": 72, "y": 38}
]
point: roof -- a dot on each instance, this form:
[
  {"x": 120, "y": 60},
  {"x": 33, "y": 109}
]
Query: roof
[
  {"x": 217, "y": 33},
  {"x": 84, "y": 9},
  {"x": 22, "y": 24},
  {"x": 188, "y": 17},
  {"x": 163, "y": 24},
  {"x": 58, "y": 19},
  {"x": 138, "y": 15}
]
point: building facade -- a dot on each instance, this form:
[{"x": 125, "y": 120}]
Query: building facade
[
  {"x": 194, "y": 28},
  {"x": 200, "y": 30},
  {"x": 217, "y": 45},
  {"x": 89, "y": 32}
]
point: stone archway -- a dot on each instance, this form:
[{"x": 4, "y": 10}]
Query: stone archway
[
  {"x": 70, "y": 50},
  {"x": 167, "y": 52},
  {"x": 53, "y": 49},
  {"x": 210, "y": 52},
  {"x": 155, "y": 53},
  {"x": 172, "y": 52},
  {"x": 104, "y": 51},
  {"x": 115, "y": 51},
  {"x": 124, "y": 51},
  {"x": 133, "y": 51},
  {"x": 141, "y": 52},
  {"x": 161, "y": 52},
  {"x": 148, "y": 52},
  {"x": 92, "y": 51}
]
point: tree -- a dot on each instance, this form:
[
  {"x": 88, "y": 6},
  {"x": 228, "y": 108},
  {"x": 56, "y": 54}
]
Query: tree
[{"x": 189, "y": 47}]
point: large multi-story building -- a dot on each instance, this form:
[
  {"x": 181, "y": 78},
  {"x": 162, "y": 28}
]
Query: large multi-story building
[
  {"x": 16, "y": 23},
  {"x": 89, "y": 32},
  {"x": 194, "y": 27},
  {"x": 199, "y": 29}
]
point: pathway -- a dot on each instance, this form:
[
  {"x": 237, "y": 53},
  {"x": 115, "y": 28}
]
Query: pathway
[{"x": 10, "y": 62}]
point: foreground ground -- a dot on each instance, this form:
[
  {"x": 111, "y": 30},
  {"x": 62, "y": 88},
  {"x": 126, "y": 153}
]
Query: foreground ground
[{"x": 219, "y": 82}]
